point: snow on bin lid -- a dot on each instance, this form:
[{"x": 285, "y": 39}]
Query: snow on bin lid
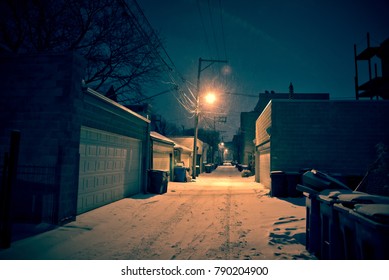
[
  {"x": 376, "y": 212},
  {"x": 331, "y": 194},
  {"x": 362, "y": 198}
]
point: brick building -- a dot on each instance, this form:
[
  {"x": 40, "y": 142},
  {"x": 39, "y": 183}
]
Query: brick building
[
  {"x": 94, "y": 150},
  {"x": 332, "y": 136}
]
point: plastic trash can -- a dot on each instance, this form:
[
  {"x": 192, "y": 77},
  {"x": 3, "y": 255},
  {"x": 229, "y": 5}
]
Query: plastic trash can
[
  {"x": 321, "y": 181},
  {"x": 180, "y": 174},
  {"x": 372, "y": 231},
  {"x": 312, "y": 220},
  {"x": 278, "y": 184},
  {"x": 158, "y": 181},
  {"x": 197, "y": 170},
  {"x": 330, "y": 244},
  {"x": 349, "y": 221},
  {"x": 208, "y": 168}
]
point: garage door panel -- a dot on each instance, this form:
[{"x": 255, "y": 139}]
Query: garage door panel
[
  {"x": 264, "y": 168},
  {"x": 109, "y": 168}
]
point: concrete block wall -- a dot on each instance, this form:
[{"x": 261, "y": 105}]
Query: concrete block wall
[
  {"x": 332, "y": 136},
  {"x": 40, "y": 97}
]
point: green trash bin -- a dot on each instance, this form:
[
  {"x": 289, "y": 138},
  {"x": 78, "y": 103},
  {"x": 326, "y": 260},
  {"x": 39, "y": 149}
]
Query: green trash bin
[
  {"x": 350, "y": 223},
  {"x": 372, "y": 230},
  {"x": 180, "y": 174},
  {"x": 208, "y": 168},
  {"x": 158, "y": 181},
  {"x": 330, "y": 243},
  {"x": 312, "y": 221}
]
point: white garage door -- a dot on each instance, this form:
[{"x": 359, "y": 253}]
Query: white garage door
[
  {"x": 110, "y": 168},
  {"x": 264, "y": 167},
  {"x": 161, "y": 161}
]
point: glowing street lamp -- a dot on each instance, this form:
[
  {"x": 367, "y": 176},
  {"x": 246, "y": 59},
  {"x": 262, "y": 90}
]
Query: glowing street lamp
[{"x": 210, "y": 98}]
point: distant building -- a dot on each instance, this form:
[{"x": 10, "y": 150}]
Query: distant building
[{"x": 202, "y": 149}]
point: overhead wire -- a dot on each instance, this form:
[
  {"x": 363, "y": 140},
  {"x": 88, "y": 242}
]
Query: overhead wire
[
  {"x": 179, "y": 95},
  {"x": 203, "y": 26},
  {"x": 185, "y": 92},
  {"x": 213, "y": 28},
  {"x": 222, "y": 27}
]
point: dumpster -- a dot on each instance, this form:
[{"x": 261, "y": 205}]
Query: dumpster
[
  {"x": 158, "y": 181},
  {"x": 279, "y": 186},
  {"x": 350, "y": 222},
  {"x": 180, "y": 174}
]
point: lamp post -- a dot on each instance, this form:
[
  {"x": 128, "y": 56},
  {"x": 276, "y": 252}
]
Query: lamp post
[{"x": 196, "y": 118}]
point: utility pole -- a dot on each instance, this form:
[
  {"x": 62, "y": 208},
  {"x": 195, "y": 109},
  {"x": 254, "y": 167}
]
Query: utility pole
[{"x": 196, "y": 118}]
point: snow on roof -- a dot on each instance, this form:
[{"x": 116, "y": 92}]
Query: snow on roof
[
  {"x": 184, "y": 148},
  {"x": 161, "y": 137}
]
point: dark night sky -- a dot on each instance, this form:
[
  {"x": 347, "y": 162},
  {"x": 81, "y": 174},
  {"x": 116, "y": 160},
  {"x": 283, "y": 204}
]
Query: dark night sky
[{"x": 268, "y": 44}]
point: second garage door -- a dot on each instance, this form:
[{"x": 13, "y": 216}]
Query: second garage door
[{"x": 110, "y": 168}]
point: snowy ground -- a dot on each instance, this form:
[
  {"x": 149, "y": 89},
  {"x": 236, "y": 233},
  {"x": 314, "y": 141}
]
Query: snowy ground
[{"x": 220, "y": 216}]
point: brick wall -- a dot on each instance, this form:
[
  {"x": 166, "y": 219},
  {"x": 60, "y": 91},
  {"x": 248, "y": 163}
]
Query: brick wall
[{"x": 41, "y": 97}]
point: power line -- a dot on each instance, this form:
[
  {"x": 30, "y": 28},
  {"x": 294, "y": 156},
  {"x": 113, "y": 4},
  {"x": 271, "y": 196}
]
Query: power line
[
  {"x": 222, "y": 26},
  {"x": 183, "y": 99},
  {"x": 203, "y": 26},
  {"x": 213, "y": 28}
]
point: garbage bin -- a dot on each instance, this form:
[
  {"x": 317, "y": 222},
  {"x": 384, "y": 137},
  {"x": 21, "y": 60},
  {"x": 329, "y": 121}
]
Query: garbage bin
[
  {"x": 331, "y": 247},
  {"x": 312, "y": 221},
  {"x": 208, "y": 168},
  {"x": 278, "y": 184},
  {"x": 197, "y": 170},
  {"x": 372, "y": 229},
  {"x": 314, "y": 182},
  {"x": 180, "y": 174},
  {"x": 158, "y": 181},
  {"x": 319, "y": 181},
  {"x": 349, "y": 222}
]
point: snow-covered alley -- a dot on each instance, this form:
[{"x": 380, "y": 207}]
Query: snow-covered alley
[{"x": 219, "y": 216}]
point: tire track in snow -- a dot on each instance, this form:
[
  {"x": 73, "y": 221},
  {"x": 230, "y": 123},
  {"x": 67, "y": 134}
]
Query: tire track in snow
[
  {"x": 226, "y": 247},
  {"x": 145, "y": 250}
]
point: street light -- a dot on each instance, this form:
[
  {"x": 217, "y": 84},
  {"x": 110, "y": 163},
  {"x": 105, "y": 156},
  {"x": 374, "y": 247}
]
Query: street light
[
  {"x": 196, "y": 118},
  {"x": 210, "y": 98}
]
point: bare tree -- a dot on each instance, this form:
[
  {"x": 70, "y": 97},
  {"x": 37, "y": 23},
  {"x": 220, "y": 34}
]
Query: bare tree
[{"x": 120, "y": 51}]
